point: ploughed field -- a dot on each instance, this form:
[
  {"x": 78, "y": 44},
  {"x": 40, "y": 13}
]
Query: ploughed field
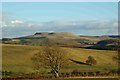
[{"x": 17, "y": 59}]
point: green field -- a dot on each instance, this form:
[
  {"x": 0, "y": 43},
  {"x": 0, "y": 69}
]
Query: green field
[{"x": 17, "y": 58}]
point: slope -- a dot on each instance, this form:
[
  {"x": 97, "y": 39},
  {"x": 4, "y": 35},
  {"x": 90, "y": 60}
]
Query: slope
[{"x": 17, "y": 58}]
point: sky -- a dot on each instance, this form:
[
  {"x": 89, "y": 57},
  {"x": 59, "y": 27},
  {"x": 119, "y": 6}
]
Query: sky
[
  {"x": 60, "y": 0},
  {"x": 83, "y": 18}
]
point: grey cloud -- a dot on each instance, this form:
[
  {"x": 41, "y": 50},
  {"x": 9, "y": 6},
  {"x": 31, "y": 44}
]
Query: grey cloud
[{"x": 92, "y": 27}]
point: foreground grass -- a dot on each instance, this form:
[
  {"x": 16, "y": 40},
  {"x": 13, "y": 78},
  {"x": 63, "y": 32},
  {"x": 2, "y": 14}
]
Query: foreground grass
[{"x": 17, "y": 58}]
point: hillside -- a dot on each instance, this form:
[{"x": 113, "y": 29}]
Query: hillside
[
  {"x": 17, "y": 58},
  {"x": 109, "y": 44},
  {"x": 65, "y": 39}
]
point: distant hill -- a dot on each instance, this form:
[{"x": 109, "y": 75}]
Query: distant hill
[
  {"x": 108, "y": 44},
  {"x": 65, "y": 35},
  {"x": 65, "y": 39}
]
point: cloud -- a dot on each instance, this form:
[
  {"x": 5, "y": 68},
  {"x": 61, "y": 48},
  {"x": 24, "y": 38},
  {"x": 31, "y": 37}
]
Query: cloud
[
  {"x": 17, "y": 22},
  {"x": 13, "y": 23},
  {"x": 15, "y": 28},
  {"x": 82, "y": 25}
]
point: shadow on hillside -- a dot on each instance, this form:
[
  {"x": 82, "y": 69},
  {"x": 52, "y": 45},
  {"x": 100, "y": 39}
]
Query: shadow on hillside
[
  {"x": 97, "y": 47},
  {"x": 78, "y": 62}
]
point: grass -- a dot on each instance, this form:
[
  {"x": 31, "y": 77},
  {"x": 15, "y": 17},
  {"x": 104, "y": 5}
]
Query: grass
[{"x": 17, "y": 58}]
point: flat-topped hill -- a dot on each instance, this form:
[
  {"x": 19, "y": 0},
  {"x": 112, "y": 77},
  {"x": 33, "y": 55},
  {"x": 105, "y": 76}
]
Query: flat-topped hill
[{"x": 66, "y": 39}]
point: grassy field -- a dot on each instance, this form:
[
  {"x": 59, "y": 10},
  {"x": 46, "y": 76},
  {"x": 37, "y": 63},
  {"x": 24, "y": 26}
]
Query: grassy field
[{"x": 17, "y": 58}]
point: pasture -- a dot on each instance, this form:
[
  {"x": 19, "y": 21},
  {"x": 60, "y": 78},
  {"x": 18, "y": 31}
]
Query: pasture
[{"x": 17, "y": 58}]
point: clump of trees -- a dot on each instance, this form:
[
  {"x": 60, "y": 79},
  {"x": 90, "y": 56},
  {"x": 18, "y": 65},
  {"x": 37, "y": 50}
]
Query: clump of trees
[
  {"x": 91, "y": 61},
  {"x": 52, "y": 57}
]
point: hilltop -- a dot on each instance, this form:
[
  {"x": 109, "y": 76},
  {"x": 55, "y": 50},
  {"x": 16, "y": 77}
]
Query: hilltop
[{"x": 66, "y": 39}]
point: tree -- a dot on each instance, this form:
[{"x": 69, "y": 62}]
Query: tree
[
  {"x": 91, "y": 61},
  {"x": 51, "y": 57}
]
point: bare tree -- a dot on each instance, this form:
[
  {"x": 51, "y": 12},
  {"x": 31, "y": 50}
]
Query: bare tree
[{"x": 51, "y": 57}]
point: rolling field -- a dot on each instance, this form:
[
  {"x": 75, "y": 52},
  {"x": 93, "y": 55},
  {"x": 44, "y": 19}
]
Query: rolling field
[{"x": 17, "y": 58}]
